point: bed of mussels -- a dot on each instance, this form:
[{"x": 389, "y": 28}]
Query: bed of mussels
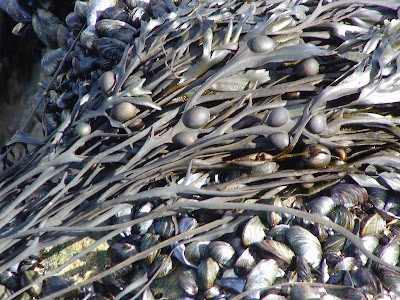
[{"x": 250, "y": 149}]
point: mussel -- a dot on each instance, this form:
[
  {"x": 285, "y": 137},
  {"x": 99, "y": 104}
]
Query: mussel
[
  {"x": 262, "y": 275},
  {"x": 348, "y": 195},
  {"x": 305, "y": 243}
]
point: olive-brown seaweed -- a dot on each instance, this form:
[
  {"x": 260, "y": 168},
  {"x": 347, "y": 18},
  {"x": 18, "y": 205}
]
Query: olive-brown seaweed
[{"x": 171, "y": 123}]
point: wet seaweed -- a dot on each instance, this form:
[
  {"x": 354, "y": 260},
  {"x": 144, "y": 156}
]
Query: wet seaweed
[{"x": 239, "y": 62}]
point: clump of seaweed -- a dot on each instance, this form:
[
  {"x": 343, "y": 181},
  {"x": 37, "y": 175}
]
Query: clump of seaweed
[{"x": 211, "y": 111}]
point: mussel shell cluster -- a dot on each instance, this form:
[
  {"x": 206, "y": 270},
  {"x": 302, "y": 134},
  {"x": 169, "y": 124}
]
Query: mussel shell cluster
[
  {"x": 25, "y": 273},
  {"x": 246, "y": 148},
  {"x": 278, "y": 255},
  {"x": 39, "y": 19}
]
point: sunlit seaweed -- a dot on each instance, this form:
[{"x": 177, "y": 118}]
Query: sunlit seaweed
[{"x": 270, "y": 128}]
